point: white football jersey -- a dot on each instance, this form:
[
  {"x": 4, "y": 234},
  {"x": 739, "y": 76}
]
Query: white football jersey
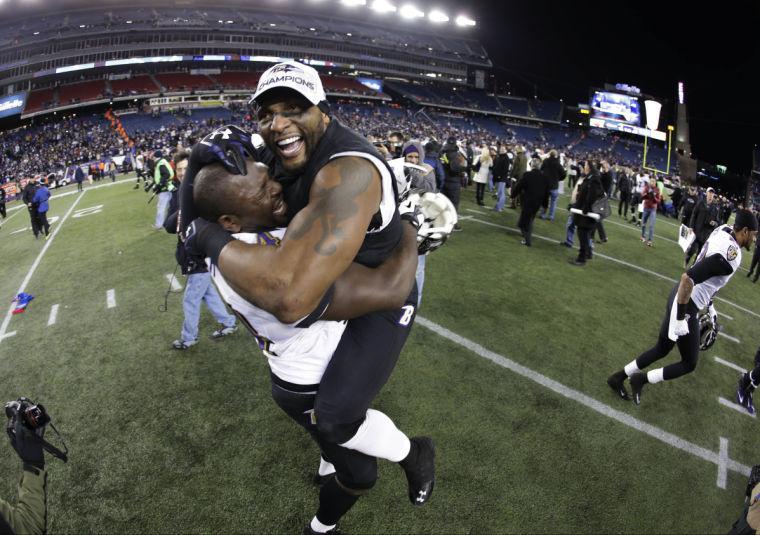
[
  {"x": 641, "y": 182},
  {"x": 721, "y": 242},
  {"x": 298, "y": 355}
]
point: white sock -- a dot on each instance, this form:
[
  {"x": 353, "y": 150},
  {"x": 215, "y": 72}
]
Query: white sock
[
  {"x": 319, "y": 527},
  {"x": 325, "y": 468},
  {"x": 655, "y": 376},
  {"x": 631, "y": 368},
  {"x": 379, "y": 437}
]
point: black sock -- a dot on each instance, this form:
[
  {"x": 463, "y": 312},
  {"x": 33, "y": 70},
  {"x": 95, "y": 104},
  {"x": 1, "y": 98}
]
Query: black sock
[
  {"x": 411, "y": 459},
  {"x": 334, "y": 502}
]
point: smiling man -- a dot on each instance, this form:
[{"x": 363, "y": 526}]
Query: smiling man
[{"x": 340, "y": 205}]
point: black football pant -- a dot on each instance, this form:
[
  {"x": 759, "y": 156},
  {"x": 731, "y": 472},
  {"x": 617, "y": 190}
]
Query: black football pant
[
  {"x": 688, "y": 345},
  {"x": 359, "y": 368}
]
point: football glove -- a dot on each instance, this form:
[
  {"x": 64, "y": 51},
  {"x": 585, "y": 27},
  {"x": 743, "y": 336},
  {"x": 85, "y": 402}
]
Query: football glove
[
  {"x": 410, "y": 211},
  {"x": 681, "y": 327},
  {"x": 713, "y": 315},
  {"x": 440, "y": 218}
]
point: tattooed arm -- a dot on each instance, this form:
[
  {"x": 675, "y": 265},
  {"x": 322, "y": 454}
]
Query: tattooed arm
[{"x": 321, "y": 242}]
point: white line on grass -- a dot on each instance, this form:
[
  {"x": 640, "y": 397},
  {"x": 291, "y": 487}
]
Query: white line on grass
[
  {"x": 732, "y": 405},
  {"x": 722, "y": 463},
  {"x": 725, "y": 316},
  {"x": 617, "y": 260},
  {"x": 48, "y": 243},
  {"x": 10, "y": 217},
  {"x": 574, "y": 395},
  {"x": 630, "y": 227},
  {"x": 176, "y": 286},
  {"x": 74, "y": 192},
  {"x": 7, "y": 335},
  {"x": 464, "y": 217},
  {"x": 729, "y": 364},
  {"x": 477, "y": 211},
  {"x": 53, "y": 315},
  {"x": 724, "y": 335},
  {"x": 111, "y": 298}
]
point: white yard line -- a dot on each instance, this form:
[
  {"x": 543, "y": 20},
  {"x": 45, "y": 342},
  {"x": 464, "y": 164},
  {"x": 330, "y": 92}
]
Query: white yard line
[
  {"x": 729, "y": 364},
  {"x": 111, "y": 298},
  {"x": 53, "y": 315},
  {"x": 7, "y": 335},
  {"x": 724, "y": 335},
  {"x": 617, "y": 260},
  {"x": 722, "y": 464},
  {"x": 464, "y": 217},
  {"x": 48, "y": 243},
  {"x": 4, "y": 221},
  {"x": 725, "y": 316},
  {"x": 176, "y": 286},
  {"x": 477, "y": 211},
  {"x": 738, "y": 408},
  {"x": 587, "y": 401}
]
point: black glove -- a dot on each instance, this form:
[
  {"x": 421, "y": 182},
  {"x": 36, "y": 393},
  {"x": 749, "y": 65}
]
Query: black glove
[
  {"x": 229, "y": 146},
  {"x": 26, "y": 442},
  {"x": 205, "y": 239}
]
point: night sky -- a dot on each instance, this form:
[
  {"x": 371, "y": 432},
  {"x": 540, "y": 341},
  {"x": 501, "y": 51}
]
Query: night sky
[{"x": 564, "y": 47}]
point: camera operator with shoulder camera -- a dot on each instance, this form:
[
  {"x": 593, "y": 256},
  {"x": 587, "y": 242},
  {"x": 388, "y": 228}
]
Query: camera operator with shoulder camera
[{"x": 26, "y": 427}]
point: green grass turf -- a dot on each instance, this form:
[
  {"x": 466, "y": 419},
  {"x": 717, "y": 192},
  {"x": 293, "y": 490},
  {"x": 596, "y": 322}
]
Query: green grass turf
[{"x": 164, "y": 441}]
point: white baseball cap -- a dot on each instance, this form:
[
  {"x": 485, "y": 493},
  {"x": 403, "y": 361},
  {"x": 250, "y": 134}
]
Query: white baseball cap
[{"x": 293, "y": 75}]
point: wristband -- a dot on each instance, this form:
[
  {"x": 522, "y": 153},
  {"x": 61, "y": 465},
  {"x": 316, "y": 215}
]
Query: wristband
[{"x": 680, "y": 311}]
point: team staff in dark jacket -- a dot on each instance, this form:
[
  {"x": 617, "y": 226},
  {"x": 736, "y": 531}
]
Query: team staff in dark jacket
[
  {"x": 534, "y": 187},
  {"x": 624, "y": 187},
  {"x": 555, "y": 173},
  {"x": 589, "y": 192},
  {"x": 704, "y": 219},
  {"x": 27, "y": 196}
]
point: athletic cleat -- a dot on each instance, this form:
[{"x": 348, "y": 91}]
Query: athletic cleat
[
  {"x": 308, "y": 531},
  {"x": 224, "y": 331},
  {"x": 744, "y": 396},
  {"x": 616, "y": 382},
  {"x": 421, "y": 476},
  {"x": 638, "y": 380}
]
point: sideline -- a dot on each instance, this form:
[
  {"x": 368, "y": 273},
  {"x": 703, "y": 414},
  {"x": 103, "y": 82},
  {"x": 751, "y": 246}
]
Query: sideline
[
  {"x": 617, "y": 260},
  {"x": 4, "y": 327},
  {"x": 720, "y": 458}
]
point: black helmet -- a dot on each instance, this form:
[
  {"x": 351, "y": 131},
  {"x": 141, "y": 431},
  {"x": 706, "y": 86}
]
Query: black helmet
[{"x": 707, "y": 331}]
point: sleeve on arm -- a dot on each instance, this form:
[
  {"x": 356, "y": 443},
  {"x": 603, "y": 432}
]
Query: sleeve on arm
[
  {"x": 30, "y": 515},
  {"x": 713, "y": 266}
]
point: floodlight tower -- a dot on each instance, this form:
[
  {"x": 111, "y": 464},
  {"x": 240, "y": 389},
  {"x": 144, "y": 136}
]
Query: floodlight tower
[{"x": 687, "y": 166}]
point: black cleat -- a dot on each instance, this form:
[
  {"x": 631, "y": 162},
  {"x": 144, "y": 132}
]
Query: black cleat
[
  {"x": 616, "y": 382},
  {"x": 638, "y": 380},
  {"x": 308, "y": 531},
  {"x": 421, "y": 474}
]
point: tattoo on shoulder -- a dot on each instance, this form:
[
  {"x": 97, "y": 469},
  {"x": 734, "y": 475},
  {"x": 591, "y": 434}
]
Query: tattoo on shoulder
[{"x": 332, "y": 206}]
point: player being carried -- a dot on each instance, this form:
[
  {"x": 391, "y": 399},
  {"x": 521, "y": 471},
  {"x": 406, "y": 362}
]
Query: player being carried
[{"x": 718, "y": 260}]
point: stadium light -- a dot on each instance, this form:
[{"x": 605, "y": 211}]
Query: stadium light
[
  {"x": 652, "y": 108},
  {"x": 354, "y": 3},
  {"x": 383, "y": 6},
  {"x": 438, "y": 16},
  {"x": 461, "y": 20},
  {"x": 408, "y": 11}
]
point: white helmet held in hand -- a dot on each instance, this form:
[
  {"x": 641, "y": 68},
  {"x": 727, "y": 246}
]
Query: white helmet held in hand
[{"x": 440, "y": 218}]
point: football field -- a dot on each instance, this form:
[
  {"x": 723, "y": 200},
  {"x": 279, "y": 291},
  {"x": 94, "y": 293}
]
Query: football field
[{"x": 505, "y": 369}]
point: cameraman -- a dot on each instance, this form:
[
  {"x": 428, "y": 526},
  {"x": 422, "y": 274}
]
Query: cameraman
[
  {"x": 749, "y": 521},
  {"x": 30, "y": 514}
]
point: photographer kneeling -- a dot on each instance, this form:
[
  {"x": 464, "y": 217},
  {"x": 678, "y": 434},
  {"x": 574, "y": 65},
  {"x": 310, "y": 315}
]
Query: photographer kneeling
[{"x": 30, "y": 514}]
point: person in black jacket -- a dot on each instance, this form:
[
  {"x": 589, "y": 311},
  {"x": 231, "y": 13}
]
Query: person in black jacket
[
  {"x": 198, "y": 285},
  {"x": 454, "y": 167},
  {"x": 501, "y": 168},
  {"x": 589, "y": 192},
  {"x": 534, "y": 188},
  {"x": 555, "y": 173},
  {"x": 704, "y": 219},
  {"x": 27, "y": 196},
  {"x": 624, "y": 187},
  {"x": 2, "y": 202},
  {"x": 688, "y": 203}
]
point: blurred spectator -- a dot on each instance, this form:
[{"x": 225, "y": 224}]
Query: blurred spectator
[
  {"x": 704, "y": 219},
  {"x": 40, "y": 200},
  {"x": 454, "y": 167},
  {"x": 589, "y": 191},
  {"x": 555, "y": 173},
  {"x": 534, "y": 188},
  {"x": 501, "y": 167},
  {"x": 652, "y": 199},
  {"x": 482, "y": 167}
]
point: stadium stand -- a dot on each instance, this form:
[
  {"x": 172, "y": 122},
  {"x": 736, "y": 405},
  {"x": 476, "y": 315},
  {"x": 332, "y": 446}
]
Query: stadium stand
[
  {"x": 133, "y": 86},
  {"x": 82, "y": 92},
  {"x": 180, "y": 81},
  {"x": 39, "y": 100}
]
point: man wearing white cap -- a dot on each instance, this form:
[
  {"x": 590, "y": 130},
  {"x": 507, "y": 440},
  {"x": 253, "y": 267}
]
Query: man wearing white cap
[{"x": 340, "y": 203}]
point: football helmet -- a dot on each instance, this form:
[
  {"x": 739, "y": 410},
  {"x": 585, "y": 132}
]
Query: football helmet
[
  {"x": 403, "y": 172},
  {"x": 440, "y": 218},
  {"x": 708, "y": 331}
]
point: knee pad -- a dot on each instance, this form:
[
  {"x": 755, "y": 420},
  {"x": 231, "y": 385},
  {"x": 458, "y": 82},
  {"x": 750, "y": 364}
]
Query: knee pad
[{"x": 336, "y": 433}]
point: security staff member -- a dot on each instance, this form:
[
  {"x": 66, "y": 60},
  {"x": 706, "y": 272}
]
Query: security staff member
[
  {"x": 30, "y": 514},
  {"x": 163, "y": 184}
]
